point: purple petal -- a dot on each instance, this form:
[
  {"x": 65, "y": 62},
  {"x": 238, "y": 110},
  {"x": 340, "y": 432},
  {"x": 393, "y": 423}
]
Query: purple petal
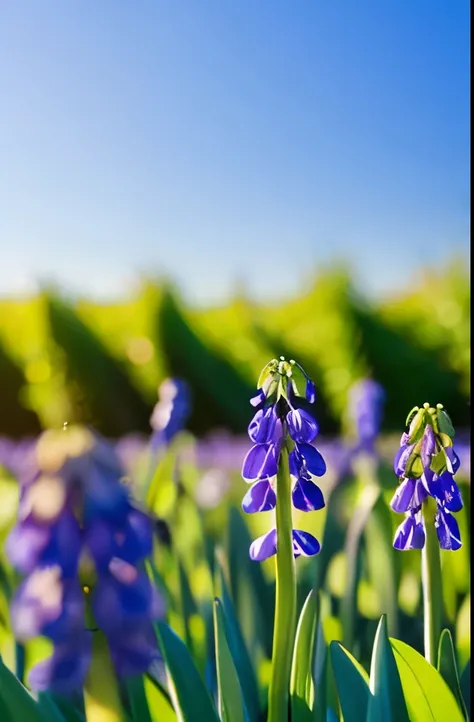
[
  {"x": 310, "y": 391},
  {"x": 263, "y": 547},
  {"x": 262, "y": 427},
  {"x": 445, "y": 490},
  {"x": 261, "y": 462},
  {"x": 447, "y": 527},
  {"x": 313, "y": 460},
  {"x": 133, "y": 650},
  {"x": 307, "y": 496},
  {"x": 105, "y": 496},
  {"x": 304, "y": 544},
  {"x": 260, "y": 497},
  {"x": 409, "y": 535},
  {"x": 123, "y": 595},
  {"x": 401, "y": 458},
  {"x": 64, "y": 547},
  {"x": 259, "y": 398},
  {"x": 25, "y": 544},
  {"x": 65, "y": 671},
  {"x": 302, "y": 427},
  {"x": 428, "y": 446},
  {"x": 453, "y": 460}
]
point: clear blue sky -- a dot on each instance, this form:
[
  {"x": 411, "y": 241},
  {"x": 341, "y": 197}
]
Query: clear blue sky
[{"x": 249, "y": 139}]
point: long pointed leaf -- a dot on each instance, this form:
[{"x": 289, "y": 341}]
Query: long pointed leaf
[
  {"x": 427, "y": 695},
  {"x": 231, "y": 706},
  {"x": 191, "y": 699},
  {"x": 387, "y": 701},
  {"x": 301, "y": 684},
  {"x": 240, "y": 654},
  {"x": 16, "y": 700},
  {"x": 352, "y": 683},
  {"x": 447, "y": 667}
]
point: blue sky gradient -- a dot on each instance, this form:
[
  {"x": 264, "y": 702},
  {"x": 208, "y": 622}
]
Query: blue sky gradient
[{"x": 215, "y": 142}]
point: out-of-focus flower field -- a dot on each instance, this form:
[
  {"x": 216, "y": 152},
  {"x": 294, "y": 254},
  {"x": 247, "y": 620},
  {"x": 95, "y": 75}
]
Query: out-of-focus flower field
[{"x": 98, "y": 366}]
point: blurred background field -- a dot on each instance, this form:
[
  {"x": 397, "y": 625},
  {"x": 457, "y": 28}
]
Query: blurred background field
[{"x": 101, "y": 363}]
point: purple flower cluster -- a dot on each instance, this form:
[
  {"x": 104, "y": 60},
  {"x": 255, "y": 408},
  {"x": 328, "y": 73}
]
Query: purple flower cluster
[
  {"x": 280, "y": 418},
  {"x": 81, "y": 544},
  {"x": 425, "y": 464},
  {"x": 366, "y": 399}
]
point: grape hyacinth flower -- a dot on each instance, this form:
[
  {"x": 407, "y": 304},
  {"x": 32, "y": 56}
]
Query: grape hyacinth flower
[
  {"x": 428, "y": 496},
  {"x": 281, "y": 420},
  {"x": 426, "y": 464},
  {"x": 81, "y": 543},
  {"x": 281, "y": 466}
]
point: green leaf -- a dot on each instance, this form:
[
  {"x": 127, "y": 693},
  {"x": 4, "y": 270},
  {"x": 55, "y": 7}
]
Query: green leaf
[
  {"x": 352, "y": 683},
  {"x": 240, "y": 654},
  {"x": 320, "y": 675},
  {"x": 301, "y": 684},
  {"x": 387, "y": 702},
  {"x": 50, "y": 710},
  {"x": 231, "y": 708},
  {"x": 465, "y": 684},
  {"x": 447, "y": 667},
  {"x": 16, "y": 701},
  {"x": 138, "y": 701},
  {"x": 250, "y": 593},
  {"x": 159, "y": 703},
  {"x": 427, "y": 695},
  {"x": 191, "y": 699}
]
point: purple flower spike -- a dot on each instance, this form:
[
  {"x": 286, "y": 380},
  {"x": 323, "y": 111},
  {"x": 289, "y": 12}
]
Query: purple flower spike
[
  {"x": 283, "y": 425},
  {"x": 301, "y": 425},
  {"x": 79, "y": 534},
  {"x": 261, "y": 462},
  {"x": 448, "y": 530},
  {"x": 307, "y": 496},
  {"x": 304, "y": 544},
  {"x": 409, "y": 535},
  {"x": 434, "y": 477},
  {"x": 264, "y": 546},
  {"x": 260, "y": 497}
]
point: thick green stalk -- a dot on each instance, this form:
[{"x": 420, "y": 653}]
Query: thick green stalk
[
  {"x": 101, "y": 694},
  {"x": 285, "y": 606},
  {"x": 432, "y": 584}
]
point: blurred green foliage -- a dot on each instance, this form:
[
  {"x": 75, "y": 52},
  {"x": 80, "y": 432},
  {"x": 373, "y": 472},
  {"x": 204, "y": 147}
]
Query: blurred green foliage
[{"x": 101, "y": 364}]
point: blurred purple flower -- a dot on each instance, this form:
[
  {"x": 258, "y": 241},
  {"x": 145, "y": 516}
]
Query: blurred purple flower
[
  {"x": 366, "y": 400},
  {"x": 170, "y": 413},
  {"x": 81, "y": 543}
]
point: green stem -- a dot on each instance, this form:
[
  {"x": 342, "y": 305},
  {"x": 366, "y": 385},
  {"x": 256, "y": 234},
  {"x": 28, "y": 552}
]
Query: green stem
[
  {"x": 101, "y": 694},
  {"x": 432, "y": 584},
  {"x": 285, "y": 605},
  {"x": 369, "y": 492}
]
